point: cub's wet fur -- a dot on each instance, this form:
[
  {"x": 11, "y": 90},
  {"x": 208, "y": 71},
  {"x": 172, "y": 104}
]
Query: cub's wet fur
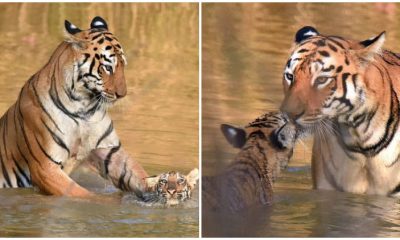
[
  {"x": 170, "y": 188},
  {"x": 266, "y": 147}
]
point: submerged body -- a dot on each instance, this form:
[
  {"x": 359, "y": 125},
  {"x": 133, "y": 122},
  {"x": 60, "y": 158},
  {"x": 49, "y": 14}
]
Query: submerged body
[
  {"x": 266, "y": 146},
  {"x": 346, "y": 92}
]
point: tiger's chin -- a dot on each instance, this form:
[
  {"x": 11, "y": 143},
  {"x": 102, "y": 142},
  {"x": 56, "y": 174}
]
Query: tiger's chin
[{"x": 172, "y": 202}]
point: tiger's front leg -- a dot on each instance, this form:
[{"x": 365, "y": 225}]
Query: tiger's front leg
[
  {"x": 50, "y": 179},
  {"x": 116, "y": 164}
]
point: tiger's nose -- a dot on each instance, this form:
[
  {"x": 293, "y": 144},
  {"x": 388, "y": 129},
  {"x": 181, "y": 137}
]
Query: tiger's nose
[{"x": 171, "y": 191}]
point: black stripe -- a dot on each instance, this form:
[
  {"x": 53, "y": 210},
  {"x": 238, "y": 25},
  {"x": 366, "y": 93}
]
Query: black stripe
[
  {"x": 121, "y": 183},
  {"x": 55, "y": 98},
  {"x": 87, "y": 55},
  {"x": 22, "y": 172},
  {"x": 56, "y": 138},
  {"x": 105, "y": 134},
  {"x": 109, "y": 155},
  {"x": 97, "y": 36},
  {"x": 4, "y": 171},
  {"x": 336, "y": 42},
  {"x": 92, "y": 65},
  {"x": 44, "y": 109},
  {"x": 19, "y": 180},
  {"x": 45, "y": 153}
]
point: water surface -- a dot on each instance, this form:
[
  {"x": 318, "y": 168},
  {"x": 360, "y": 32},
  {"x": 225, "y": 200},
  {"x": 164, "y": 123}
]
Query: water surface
[{"x": 245, "y": 48}]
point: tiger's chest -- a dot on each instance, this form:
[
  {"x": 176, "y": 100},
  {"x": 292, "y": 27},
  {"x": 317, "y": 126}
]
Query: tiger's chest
[
  {"x": 336, "y": 166},
  {"x": 84, "y": 140}
]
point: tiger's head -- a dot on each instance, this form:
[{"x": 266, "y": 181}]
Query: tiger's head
[
  {"x": 277, "y": 135},
  {"x": 99, "y": 62},
  {"x": 325, "y": 78},
  {"x": 171, "y": 188}
]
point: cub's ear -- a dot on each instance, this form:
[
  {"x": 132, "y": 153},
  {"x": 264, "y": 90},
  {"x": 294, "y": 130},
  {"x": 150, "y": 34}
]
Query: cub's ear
[
  {"x": 371, "y": 47},
  {"x": 151, "y": 182},
  {"x": 98, "y": 22},
  {"x": 304, "y": 33},
  {"x": 71, "y": 28},
  {"x": 192, "y": 177},
  {"x": 235, "y": 136}
]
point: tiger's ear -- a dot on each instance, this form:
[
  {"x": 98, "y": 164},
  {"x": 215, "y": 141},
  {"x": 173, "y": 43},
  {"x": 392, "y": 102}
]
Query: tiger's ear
[
  {"x": 235, "y": 136},
  {"x": 74, "y": 36},
  {"x": 304, "y": 33},
  {"x": 370, "y": 47},
  {"x": 71, "y": 28},
  {"x": 98, "y": 22},
  {"x": 151, "y": 182},
  {"x": 192, "y": 177}
]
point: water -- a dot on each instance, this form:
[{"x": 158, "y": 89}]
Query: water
[
  {"x": 245, "y": 48},
  {"x": 157, "y": 122}
]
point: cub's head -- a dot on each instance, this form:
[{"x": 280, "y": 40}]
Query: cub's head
[
  {"x": 99, "y": 62},
  {"x": 324, "y": 76},
  {"x": 171, "y": 188},
  {"x": 273, "y": 131}
]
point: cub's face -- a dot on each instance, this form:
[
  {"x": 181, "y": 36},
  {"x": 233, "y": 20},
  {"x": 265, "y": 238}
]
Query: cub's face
[
  {"x": 274, "y": 132},
  {"x": 324, "y": 76},
  {"x": 171, "y": 188}
]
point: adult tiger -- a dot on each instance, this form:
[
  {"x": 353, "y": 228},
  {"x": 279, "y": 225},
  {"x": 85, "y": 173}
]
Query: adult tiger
[
  {"x": 61, "y": 113},
  {"x": 346, "y": 92},
  {"x": 266, "y": 147}
]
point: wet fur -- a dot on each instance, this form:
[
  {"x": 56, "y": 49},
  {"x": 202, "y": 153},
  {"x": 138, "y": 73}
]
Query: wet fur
[
  {"x": 248, "y": 180},
  {"x": 354, "y": 116}
]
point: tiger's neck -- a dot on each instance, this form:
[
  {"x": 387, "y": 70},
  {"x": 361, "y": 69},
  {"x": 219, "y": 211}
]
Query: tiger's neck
[
  {"x": 59, "y": 77},
  {"x": 372, "y": 126}
]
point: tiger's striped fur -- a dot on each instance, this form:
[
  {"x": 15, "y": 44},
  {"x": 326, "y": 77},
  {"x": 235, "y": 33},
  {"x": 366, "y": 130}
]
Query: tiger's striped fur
[
  {"x": 346, "y": 92},
  {"x": 61, "y": 112},
  {"x": 266, "y": 147},
  {"x": 170, "y": 188}
]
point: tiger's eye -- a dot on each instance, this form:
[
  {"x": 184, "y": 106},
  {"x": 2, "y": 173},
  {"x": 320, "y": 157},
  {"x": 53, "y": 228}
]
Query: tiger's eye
[
  {"x": 289, "y": 76},
  {"x": 181, "y": 181},
  {"x": 321, "y": 80},
  {"x": 108, "y": 68}
]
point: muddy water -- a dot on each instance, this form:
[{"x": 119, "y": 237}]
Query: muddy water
[
  {"x": 157, "y": 121},
  {"x": 245, "y": 48}
]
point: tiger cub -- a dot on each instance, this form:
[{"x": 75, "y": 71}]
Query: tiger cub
[
  {"x": 170, "y": 188},
  {"x": 266, "y": 146}
]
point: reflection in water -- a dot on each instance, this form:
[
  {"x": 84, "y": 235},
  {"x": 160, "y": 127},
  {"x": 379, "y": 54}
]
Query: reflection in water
[
  {"x": 245, "y": 48},
  {"x": 157, "y": 122}
]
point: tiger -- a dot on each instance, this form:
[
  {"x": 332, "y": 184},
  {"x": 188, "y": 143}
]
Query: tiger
[
  {"x": 170, "y": 188},
  {"x": 266, "y": 145},
  {"x": 60, "y": 115},
  {"x": 345, "y": 92}
]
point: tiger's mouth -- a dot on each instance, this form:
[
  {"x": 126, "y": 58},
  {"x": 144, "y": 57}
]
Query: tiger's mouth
[
  {"x": 108, "y": 97},
  {"x": 311, "y": 125}
]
